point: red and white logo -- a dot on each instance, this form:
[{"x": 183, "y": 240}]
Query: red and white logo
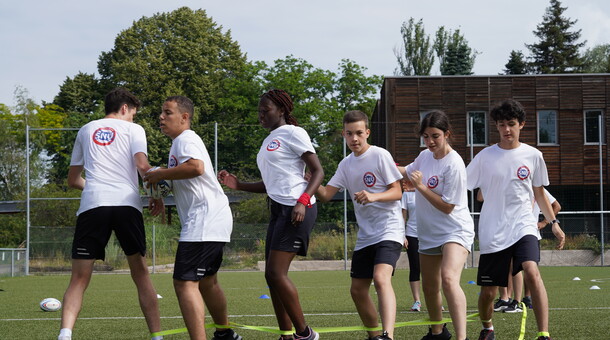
[
  {"x": 369, "y": 179},
  {"x": 104, "y": 136},
  {"x": 273, "y": 145},
  {"x": 173, "y": 162},
  {"x": 523, "y": 172},
  {"x": 433, "y": 182}
]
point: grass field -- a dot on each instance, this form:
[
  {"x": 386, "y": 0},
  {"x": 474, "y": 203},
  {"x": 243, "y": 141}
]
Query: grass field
[{"x": 111, "y": 311}]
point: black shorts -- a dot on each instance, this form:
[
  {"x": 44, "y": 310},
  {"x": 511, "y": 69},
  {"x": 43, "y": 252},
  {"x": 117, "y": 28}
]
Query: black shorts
[
  {"x": 413, "y": 255},
  {"x": 196, "y": 260},
  {"x": 94, "y": 227},
  {"x": 494, "y": 268},
  {"x": 365, "y": 259},
  {"x": 283, "y": 235}
]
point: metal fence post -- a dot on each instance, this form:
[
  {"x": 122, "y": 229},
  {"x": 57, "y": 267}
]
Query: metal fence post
[{"x": 601, "y": 184}]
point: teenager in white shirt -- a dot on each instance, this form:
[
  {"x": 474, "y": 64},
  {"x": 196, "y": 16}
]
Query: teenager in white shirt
[
  {"x": 281, "y": 160},
  {"x": 411, "y": 242},
  {"x": 444, "y": 226},
  {"x": 510, "y": 174},
  {"x": 111, "y": 152},
  {"x": 205, "y": 217},
  {"x": 370, "y": 175}
]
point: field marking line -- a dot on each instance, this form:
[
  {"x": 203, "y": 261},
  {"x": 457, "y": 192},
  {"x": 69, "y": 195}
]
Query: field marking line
[{"x": 256, "y": 315}]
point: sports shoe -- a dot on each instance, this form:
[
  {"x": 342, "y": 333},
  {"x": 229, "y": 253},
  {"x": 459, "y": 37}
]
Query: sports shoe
[
  {"x": 282, "y": 338},
  {"x": 313, "y": 335},
  {"x": 445, "y": 335},
  {"x": 487, "y": 334},
  {"x": 383, "y": 336},
  {"x": 544, "y": 338},
  {"x": 226, "y": 334},
  {"x": 416, "y": 307},
  {"x": 515, "y": 307},
  {"x": 501, "y": 305},
  {"x": 528, "y": 302}
]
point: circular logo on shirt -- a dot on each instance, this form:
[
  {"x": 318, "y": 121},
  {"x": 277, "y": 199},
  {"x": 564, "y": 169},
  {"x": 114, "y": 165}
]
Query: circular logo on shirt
[
  {"x": 369, "y": 179},
  {"x": 433, "y": 182},
  {"x": 523, "y": 172},
  {"x": 173, "y": 161},
  {"x": 104, "y": 136},
  {"x": 273, "y": 145}
]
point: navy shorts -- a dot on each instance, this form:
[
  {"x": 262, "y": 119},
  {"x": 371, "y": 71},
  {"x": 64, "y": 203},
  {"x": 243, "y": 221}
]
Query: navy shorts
[
  {"x": 413, "y": 255},
  {"x": 196, "y": 260},
  {"x": 365, "y": 259},
  {"x": 283, "y": 235},
  {"x": 94, "y": 227},
  {"x": 494, "y": 268}
]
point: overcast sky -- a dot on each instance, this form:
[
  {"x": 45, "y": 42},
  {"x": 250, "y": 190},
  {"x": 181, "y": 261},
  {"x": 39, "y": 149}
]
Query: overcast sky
[{"x": 43, "y": 42}]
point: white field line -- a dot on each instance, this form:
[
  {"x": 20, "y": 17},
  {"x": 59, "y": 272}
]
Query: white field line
[{"x": 261, "y": 315}]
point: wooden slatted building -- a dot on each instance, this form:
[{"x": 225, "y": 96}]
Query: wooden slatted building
[{"x": 561, "y": 122}]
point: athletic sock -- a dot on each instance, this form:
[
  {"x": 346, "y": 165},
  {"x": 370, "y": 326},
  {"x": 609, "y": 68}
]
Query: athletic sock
[
  {"x": 65, "y": 332},
  {"x": 304, "y": 333}
]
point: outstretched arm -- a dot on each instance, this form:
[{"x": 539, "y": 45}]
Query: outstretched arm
[
  {"x": 393, "y": 193},
  {"x": 315, "y": 179},
  {"x": 75, "y": 178},
  {"x": 549, "y": 215},
  {"x": 232, "y": 182}
]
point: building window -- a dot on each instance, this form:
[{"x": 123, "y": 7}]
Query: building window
[
  {"x": 592, "y": 126},
  {"x": 547, "y": 127},
  {"x": 479, "y": 128}
]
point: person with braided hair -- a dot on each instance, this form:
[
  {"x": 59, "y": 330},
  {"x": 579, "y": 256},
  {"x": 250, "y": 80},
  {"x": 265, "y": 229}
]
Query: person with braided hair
[{"x": 282, "y": 160}]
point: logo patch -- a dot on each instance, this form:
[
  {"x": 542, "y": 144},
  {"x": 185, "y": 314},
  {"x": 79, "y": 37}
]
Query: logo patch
[
  {"x": 104, "y": 136},
  {"x": 369, "y": 179},
  {"x": 173, "y": 162},
  {"x": 433, "y": 182},
  {"x": 523, "y": 172},
  {"x": 273, "y": 145}
]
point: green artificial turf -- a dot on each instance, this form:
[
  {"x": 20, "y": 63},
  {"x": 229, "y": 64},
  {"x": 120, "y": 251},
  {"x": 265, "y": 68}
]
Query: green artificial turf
[{"x": 111, "y": 310}]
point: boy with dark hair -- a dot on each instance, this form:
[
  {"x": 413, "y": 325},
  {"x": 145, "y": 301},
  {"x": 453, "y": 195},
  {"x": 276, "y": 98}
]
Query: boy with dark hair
[
  {"x": 510, "y": 174},
  {"x": 206, "y": 221},
  {"x": 111, "y": 151},
  {"x": 371, "y": 176}
]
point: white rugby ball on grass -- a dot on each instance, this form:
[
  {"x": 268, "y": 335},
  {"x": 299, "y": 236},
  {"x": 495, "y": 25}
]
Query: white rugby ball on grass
[
  {"x": 159, "y": 190},
  {"x": 50, "y": 305}
]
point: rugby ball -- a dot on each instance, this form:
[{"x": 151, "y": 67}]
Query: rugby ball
[
  {"x": 50, "y": 305},
  {"x": 159, "y": 190}
]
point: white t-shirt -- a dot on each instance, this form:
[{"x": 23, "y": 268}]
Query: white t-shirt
[
  {"x": 106, "y": 148},
  {"x": 536, "y": 209},
  {"x": 506, "y": 178},
  {"x": 408, "y": 203},
  {"x": 202, "y": 205},
  {"x": 372, "y": 171},
  {"x": 446, "y": 177},
  {"x": 279, "y": 161}
]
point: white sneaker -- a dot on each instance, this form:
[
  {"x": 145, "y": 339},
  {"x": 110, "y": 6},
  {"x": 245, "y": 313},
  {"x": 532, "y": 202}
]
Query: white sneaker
[
  {"x": 416, "y": 307},
  {"x": 65, "y": 337}
]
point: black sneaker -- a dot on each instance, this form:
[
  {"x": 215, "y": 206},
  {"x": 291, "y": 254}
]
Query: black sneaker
[
  {"x": 445, "y": 335},
  {"x": 515, "y": 307},
  {"x": 383, "y": 336},
  {"x": 487, "y": 334},
  {"x": 501, "y": 305},
  {"x": 226, "y": 334},
  {"x": 528, "y": 302}
]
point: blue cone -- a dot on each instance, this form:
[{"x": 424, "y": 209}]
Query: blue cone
[
  {"x": 472, "y": 283},
  {"x": 264, "y": 296}
]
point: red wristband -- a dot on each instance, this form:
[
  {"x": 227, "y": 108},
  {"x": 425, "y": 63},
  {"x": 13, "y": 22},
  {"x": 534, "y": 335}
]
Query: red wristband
[{"x": 305, "y": 200}]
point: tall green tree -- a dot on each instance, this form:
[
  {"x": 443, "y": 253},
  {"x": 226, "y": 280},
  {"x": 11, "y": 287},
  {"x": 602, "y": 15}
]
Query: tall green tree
[
  {"x": 557, "y": 48},
  {"x": 596, "y": 59},
  {"x": 416, "y": 56},
  {"x": 516, "y": 63},
  {"x": 183, "y": 52},
  {"x": 456, "y": 57}
]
